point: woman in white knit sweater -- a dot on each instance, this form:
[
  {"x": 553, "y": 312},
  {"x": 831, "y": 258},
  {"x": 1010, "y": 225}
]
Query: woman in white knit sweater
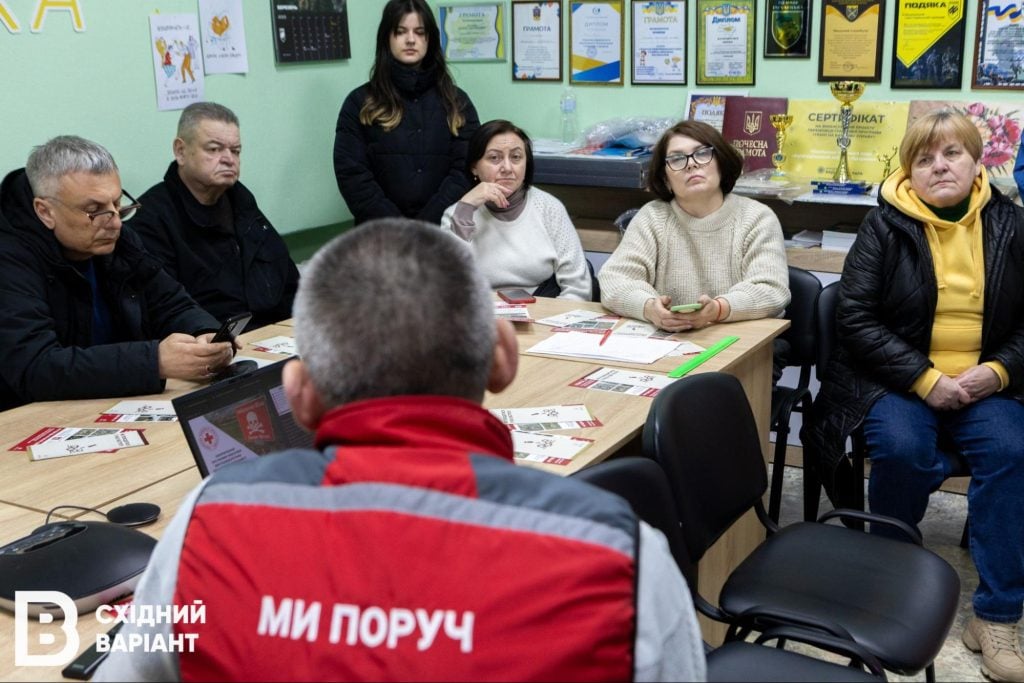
[
  {"x": 697, "y": 243},
  {"x": 522, "y": 236}
]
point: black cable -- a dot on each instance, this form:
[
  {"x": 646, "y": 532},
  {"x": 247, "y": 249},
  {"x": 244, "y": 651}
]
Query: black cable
[{"x": 74, "y": 507}]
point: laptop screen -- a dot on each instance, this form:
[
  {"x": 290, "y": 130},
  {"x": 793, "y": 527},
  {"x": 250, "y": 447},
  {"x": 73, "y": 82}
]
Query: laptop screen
[{"x": 239, "y": 419}]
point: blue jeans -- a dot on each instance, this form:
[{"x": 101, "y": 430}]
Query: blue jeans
[{"x": 901, "y": 433}]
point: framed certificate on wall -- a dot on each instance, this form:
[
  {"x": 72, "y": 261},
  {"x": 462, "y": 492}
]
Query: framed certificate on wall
[
  {"x": 595, "y": 42},
  {"x": 473, "y": 33},
  {"x": 999, "y": 47},
  {"x": 725, "y": 42},
  {"x": 536, "y": 40},
  {"x": 929, "y": 51},
  {"x": 851, "y": 40},
  {"x": 659, "y": 42}
]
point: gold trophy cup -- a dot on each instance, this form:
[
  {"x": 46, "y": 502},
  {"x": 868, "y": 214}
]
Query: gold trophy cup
[
  {"x": 780, "y": 122},
  {"x": 846, "y": 92}
]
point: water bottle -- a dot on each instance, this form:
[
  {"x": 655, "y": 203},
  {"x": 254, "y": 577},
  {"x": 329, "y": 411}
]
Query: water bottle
[{"x": 568, "y": 109}]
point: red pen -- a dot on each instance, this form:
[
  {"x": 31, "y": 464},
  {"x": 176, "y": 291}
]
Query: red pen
[{"x": 604, "y": 337}]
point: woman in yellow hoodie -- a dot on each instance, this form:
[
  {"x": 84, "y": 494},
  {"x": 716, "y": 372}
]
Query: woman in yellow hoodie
[{"x": 930, "y": 321}]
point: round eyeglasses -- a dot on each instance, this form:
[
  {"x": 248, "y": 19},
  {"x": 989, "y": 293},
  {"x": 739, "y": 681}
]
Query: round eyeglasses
[
  {"x": 701, "y": 156},
  {"x": 127, "y": 207}
]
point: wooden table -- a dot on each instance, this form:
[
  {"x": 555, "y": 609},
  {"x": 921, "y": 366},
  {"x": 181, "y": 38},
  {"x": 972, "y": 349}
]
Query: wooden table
[
  {"x": 164, "y": 472},
  {"x": 749, "y": 360}
]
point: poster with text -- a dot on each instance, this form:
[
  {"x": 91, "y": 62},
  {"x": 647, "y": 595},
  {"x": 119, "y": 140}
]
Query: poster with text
[
  {"x": 537, "y": 41},
  {"x": 929, "y": 44},
  {"x": 851, "y": 40},
  {"x": 473, "y": 33},
  {"x": 811, "y": 149},
  {"x": 177, "y": 60},
  {"x": 223, "y": 37}
]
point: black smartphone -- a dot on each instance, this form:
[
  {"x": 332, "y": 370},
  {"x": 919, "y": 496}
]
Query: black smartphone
[
  {"x": 231, "y": 328},
  {"x": 85, "y": 664}
]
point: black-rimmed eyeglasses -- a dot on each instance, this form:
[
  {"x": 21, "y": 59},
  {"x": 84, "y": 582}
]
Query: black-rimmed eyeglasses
[
  {"x": 701, "y": 156},
  {"x": 127, "y": 207}
]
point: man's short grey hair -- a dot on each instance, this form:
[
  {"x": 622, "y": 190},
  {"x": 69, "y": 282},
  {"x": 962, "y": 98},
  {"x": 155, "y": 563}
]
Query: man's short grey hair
[
  {"x": 395, "y": 307},
  {"x": 62, "y": 155},
  {"x": 197, "y": 112}
]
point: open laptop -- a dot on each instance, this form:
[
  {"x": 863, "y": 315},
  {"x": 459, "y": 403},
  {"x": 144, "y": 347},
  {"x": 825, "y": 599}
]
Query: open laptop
[{"x": 239, "y": 418}]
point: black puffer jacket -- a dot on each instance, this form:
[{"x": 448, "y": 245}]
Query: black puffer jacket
[
  {"x": 46, "y": 335},
  {"x": 886, "y": 308},
  {"x": 246, "y": 269},
  {"x": 417, "y": 169}
]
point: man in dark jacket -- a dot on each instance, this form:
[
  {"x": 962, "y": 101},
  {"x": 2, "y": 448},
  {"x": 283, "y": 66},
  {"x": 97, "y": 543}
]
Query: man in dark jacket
[
  {"x": 85, "y": 308},
  {"x": 204, "y": 226}
]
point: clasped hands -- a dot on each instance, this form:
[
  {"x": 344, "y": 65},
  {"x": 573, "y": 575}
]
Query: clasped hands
[
  {"x": 656, "y": 311},
  {"x": 970, "y": 386}
]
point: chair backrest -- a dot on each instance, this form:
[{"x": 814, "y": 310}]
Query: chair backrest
[
  {"x": 802, "y": 336},
  {"x": 825, "y": 321},
  {"x": 622, "y": 222},
  {"x": 702, "y": 432},
  {"x": 642, "y": 482},
  {"x": 595, "y": 286}
]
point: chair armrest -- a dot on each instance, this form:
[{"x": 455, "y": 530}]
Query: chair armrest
[
  {"x": 759, "y": 618},
  {"x": 847, "y": 513},
  {"x": 840, "y": 646}
]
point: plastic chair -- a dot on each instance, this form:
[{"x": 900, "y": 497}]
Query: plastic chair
[
  {"x": 895, "y": 599},
  {"x": 643, "y": 484},
  {"x": 853, "y": 495},
  {"x": 803, "y": 348}
]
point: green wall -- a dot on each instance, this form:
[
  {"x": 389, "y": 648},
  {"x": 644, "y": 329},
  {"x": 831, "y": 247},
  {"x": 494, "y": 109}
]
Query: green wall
[{"x": 99, "y": 84}]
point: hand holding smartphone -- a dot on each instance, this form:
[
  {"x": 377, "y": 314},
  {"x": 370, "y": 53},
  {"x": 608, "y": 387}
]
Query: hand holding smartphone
[
  {"x": 231, "y": 328},
  {"x": 516, "y": 296},
  {"x": 686, "y": 308}
]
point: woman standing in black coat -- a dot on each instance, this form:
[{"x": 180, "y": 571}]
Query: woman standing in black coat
[
  {"x": 930, "y": 322},
  {"x": 401, "y": 140}
]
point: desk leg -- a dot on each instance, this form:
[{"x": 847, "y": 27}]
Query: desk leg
[{"x": 755, "y": 374}]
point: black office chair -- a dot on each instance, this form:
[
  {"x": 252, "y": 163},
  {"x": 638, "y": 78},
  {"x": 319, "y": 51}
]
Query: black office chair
[
  {"x": 642, "y": 482},
  {"x": 551, "y": 288},
  {"x": 803, "y": 348},
  {"x": 896, "y": 599},
  {"x": 852, "y": 492}
]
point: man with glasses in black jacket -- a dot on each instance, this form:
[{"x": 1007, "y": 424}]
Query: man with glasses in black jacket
[{"x": 88, "y": 313}]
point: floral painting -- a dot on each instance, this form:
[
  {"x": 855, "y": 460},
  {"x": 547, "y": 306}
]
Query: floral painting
[{"x": 1000, "y": 126}]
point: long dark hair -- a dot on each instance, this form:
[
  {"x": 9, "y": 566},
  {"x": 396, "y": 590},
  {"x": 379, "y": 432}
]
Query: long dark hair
[{"x": 383, "y": 104}]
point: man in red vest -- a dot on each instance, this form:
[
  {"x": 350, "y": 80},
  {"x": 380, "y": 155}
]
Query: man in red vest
[{"x": 408, "y": 546}]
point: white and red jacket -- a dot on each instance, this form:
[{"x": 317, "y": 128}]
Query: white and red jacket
[{"x": 411, "y": 548}]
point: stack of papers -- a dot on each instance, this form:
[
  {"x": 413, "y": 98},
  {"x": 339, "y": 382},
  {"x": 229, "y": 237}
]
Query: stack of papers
[
  {"x": 546, "y": 418},
  {"x": 281, "y": 344},
  {"x": 517, "y": 313},
  {"x": 628, "y": 382},
  {"x": 552, "y": 449},
  {"x": 570, "y": 318},
  {"x": 805, "y": 239},
  {"x": 623, "y": 348}
]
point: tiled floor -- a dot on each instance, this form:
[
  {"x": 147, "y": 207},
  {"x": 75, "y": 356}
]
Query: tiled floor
[{"x": 942, "y": 527}]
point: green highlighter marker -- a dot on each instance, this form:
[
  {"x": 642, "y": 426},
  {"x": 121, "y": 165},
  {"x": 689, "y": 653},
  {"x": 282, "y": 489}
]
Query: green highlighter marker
[{"x": 703, "y": 356}]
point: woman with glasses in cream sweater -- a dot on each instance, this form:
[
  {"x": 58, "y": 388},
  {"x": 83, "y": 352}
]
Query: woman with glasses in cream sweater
[{"x": 697, "y": 243}]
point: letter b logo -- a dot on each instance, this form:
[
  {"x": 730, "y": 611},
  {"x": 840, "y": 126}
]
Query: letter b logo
[{"x": 22, "y": 600}]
